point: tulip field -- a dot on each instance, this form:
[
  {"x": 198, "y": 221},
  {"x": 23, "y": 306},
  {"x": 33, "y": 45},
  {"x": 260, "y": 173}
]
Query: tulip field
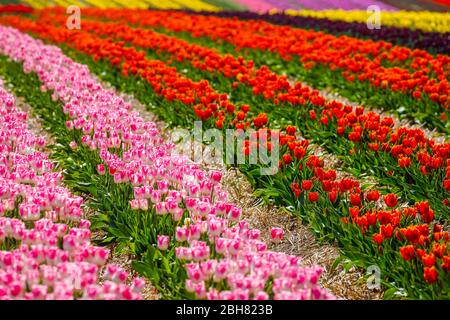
[{"x": 345, "y": 135}]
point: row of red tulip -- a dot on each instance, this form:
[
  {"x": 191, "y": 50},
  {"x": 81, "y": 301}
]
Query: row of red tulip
[{"x": 359, "y": 60}]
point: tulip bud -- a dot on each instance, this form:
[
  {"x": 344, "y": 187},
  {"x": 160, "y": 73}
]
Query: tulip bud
[
  {"x": 276, "y": 234},
  {"x": 101, "y": 169},
  {"x": 163, "y": 242}
]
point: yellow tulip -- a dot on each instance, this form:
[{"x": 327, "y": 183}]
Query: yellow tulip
[
  {"x": 421, "y": 20},
  {"x": 139, "y": 4}
]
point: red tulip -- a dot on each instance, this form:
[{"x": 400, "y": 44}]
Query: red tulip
[
  {"x": 374, "y": 146},
  {"x": 354, "y": 136},
  {"x": 299, "y": 152},
  {"x": 354, "y": 212},
  {"x": 446, "y": 264},
  {"x": 428, "y": 260},
  {"x": 447, "y": 185},
  {"x": 404, "y": 162},
  {"x": 306, "y": 185},
  {"x": 425, "y": 212},
  {"x": 378, "y": 238},
  {"x": 390, "y": 200},
  {"x": 371, "y": 218},
  {"x": 386, "y": 230},
  {"x": 430, "y": 275},
  {"x": 407, "y": 252},
  {"x": 373, "y": 195},
  {"x": 332, "y": 195},
  {"x": 245, "y": 108},
  {"x": 355, "y": 199},
  {"x": 287, "y": 158},
  {"x": 290, "y": 130},
  {"x": 260, "y": 120},
  {"x": 313, "y": 196},
  {"x": 439, "y": 249}
]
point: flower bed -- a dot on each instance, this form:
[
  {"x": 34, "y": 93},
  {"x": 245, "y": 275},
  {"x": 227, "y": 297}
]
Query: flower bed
[{"x": 174, "y": 217}]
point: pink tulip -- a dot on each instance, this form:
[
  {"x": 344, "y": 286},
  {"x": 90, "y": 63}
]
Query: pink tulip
[
  {"x": 163, "y": 242},
  {"x": 143, "y": 204},
  {"x": 135, "y": 204},
  {"x": 234, "y": 214},
  {"x": 73, "y": 145},
  {"x": 214, "y": 226},
  {"x": 171, "y": 206},
  {"x": 181, "y": 234},
  {"x": 276, "y": 234},
  {"x": 215, "y": 175},
  {"x": 177, "y": 215},
  {"x": 85, "y": 224},
  {"x": 138, "y": 285},
  {"x": 101, "y": 169},
  {"x": 160, "y": 208}
]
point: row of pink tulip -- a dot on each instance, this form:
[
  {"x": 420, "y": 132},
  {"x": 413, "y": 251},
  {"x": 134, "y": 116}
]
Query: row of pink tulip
[
  {"x": 33, "y": 265},
  {"x": 209, "y": 235}
]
